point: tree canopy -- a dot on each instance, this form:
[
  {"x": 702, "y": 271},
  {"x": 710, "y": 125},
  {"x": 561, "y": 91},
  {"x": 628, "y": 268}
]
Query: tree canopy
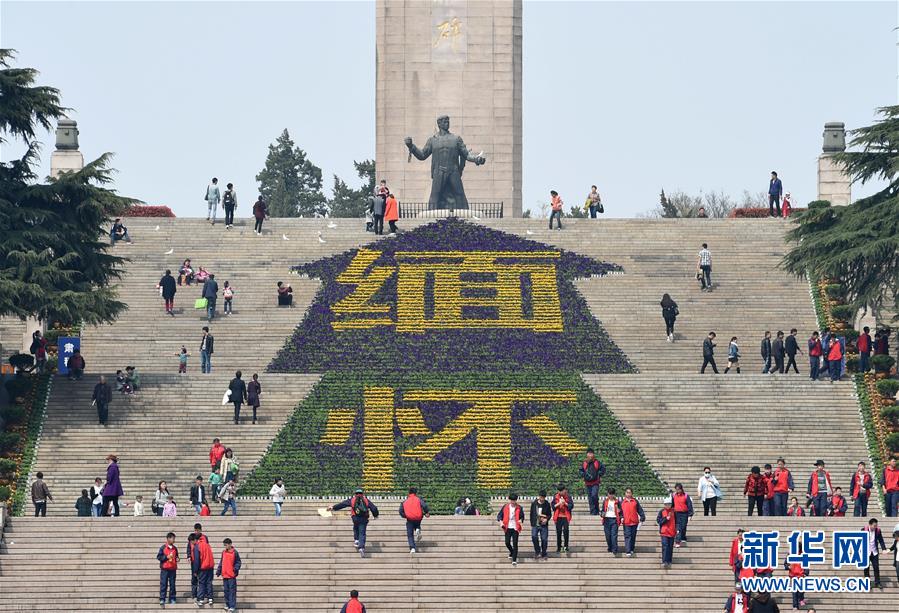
[
  {"x": 857, "y": 245},
  {"x": 53, "y": 264},
  {"x": 350, "y": 202},
  {"x": 290, "y": 183}
]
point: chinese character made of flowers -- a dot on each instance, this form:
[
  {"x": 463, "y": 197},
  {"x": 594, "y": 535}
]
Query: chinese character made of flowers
[
  {"x": 489, "y": 415},
  {"x": 444, "y": 290}
]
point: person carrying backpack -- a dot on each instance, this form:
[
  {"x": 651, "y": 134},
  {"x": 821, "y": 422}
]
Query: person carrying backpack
[
  {"x": 229, "y": 202},
  {"x": 669, "y": 314},
  {"x": 414, "y": 509},
  {"x": 361, "y": 509}
]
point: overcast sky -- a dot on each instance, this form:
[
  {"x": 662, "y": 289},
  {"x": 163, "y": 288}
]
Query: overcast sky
[{"x": 633, "y": 96}]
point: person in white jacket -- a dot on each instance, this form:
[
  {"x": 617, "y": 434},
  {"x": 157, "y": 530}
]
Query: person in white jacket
[
  {"x": 709, "y": 492},
  {"x": 278, "y": 492}
]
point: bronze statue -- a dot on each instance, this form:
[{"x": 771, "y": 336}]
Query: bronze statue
[{"x": 448, "y": 161}]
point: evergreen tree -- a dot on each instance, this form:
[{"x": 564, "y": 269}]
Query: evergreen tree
[
  {"x": 349, "y": 202},
  {"x": 857, "y": 245},
  {"x": 290, "y": 183},
  {"x": 53, "y": 264}
]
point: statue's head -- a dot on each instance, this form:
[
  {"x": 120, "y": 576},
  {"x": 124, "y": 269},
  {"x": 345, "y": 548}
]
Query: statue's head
[{"x": 443, "y": 122}]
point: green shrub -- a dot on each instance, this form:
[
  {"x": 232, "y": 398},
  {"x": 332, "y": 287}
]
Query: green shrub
[
  {"x": 851, "y": 335},
  {"x": 892, "y": 442},
  {"x": 13, "y": 414},
  {"x": 7, "y": 466},
  {"x": 834, "y": 290},
  {"x": 890, "y": 414},
  {"x": 4, "y": 493},
  {"x": 18, "y": 386},
  {"x": 21, "y": 360},
  {"x": 819, "y": 204},
  {"x": 8, "y": 441},
  {"x": 852, "y": 363},
  {"x": 888, "y": 387},
  {"x": 883, "y": 363},
  {"x": 842, "y": 312}
]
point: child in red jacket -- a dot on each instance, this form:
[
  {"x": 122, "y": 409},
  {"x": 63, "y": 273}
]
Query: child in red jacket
[
  {"x": 796, "y": 572},
  {"x": 228, "y": 569},
  {"x": 838, "y": 505},
  {"x": 168, "y": 567},
  {"x": 667, "y": 530}
]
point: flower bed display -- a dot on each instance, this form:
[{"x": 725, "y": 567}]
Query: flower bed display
[
  {"x": 451, "y": 356},
  {"x": 451, "y": 435},
  {"x": 149, "y": 211},
  {"x": 22, "y": 432}
]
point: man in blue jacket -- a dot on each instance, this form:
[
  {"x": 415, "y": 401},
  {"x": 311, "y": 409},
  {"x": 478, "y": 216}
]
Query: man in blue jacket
[
  {"x": 361, "y": 508},
  {"x": 775, "y": 189}
]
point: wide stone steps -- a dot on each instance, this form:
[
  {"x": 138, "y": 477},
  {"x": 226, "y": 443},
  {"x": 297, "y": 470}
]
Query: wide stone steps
[
  {"x": 309, "y": 563},
  {"x": 163, "y": 432}
]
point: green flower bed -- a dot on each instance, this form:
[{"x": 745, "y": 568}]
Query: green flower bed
[
  {"x": 864, "y": 403},
  {"x": 338, "y": 466},
  {"x": 28, "y": 446}
]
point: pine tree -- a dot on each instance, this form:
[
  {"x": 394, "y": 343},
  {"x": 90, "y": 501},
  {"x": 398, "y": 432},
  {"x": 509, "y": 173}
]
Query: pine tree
[
  {"x": 349, "y": 202},
  {"x": 53, "y": 263},
  {"x": 290, "y": 183},
  {"x": 857, "y": 245}
]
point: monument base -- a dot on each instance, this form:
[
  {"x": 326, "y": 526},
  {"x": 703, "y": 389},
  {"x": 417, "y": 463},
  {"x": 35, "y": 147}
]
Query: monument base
[{"x": 444, "y": 213}]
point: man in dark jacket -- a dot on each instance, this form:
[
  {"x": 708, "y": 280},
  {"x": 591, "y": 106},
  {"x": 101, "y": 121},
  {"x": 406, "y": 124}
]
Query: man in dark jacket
[
  {"x": 76, "y": 365},
  {"x": 168, "y": 286},
  {"x": 791, "y": 347},
  {"x": 875, "y": 546},
  {"x": 591, "y": 472},
  {"x": 40, "y": 494},
  {"x": 777, "y": 351},
  {"x": 541, "y": 511},
  {"x": 198, "y": 494},
  {"x": 766, "y": 352},
  {"x": 708, "y": 354},
  {"x": 210, "y": 293},
  {"x": 238, "y": 394},
  {"x": 101, "y": 398},
  {"x": 775, "y": 190},
  {"x": 360, "y": 509},
  {"x": 207, "y": 345},
  {"x": 378, "y": 207}
]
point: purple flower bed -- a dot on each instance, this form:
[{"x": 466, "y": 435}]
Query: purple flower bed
[{"x": 583, "y": 345}]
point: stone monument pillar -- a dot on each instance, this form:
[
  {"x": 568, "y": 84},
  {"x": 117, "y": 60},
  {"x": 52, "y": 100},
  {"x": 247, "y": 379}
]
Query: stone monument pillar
[
  {"x": 460, "y": 58},
  {"x": 66, "y": 157},
  {"x": 833, "y": 183}
]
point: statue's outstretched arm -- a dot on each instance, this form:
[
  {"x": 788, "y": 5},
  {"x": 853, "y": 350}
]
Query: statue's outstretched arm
[
  {"x": 465, "y": 154},
  {"x": 421, "y": 154}
]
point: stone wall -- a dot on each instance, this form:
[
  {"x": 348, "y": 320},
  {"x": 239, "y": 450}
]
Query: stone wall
[{"x": 460, "y": 58}]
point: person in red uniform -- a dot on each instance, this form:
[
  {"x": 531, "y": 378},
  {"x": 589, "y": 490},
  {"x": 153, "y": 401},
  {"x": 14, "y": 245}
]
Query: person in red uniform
[
  {"x": 667, "y": 530},
  {"x": 796, "y": 572},
  {"x": 683, "y": 511},
  {"x": 591, "y": 472},
  {"x": 889, "y": 481},
  {"x": 391, "y": 212},
  {"x": 795, "y": 510},
  {"x": 864, "y": 344},
  {"x": 216, "y": 453},
  {"x": 838, "y": 505},
  {"x": 228, "y": 569},
  {"x": 820, "y": 487},
  {"x": 738, "y": 602},
  {"x": 755, "y": 489},
  {"x": 562, "y": 505},
  {"x": 835, "y": 358},
  {"x": 611, "y": 519},
  {"x": 510, "y": 517},
  {"x": 768, "y": 504},
  {"x": 631, "y": 517},
  {"x": 202, "y": 563},
  {"x": 783, "y": 486},
  {"x": 860, "y": 490},
  {"x": 734, "y": 560},
  {"x": 168, "y": 568},
  {"x": 413, "y": 510},
  {"x": 353, "y": 605}
]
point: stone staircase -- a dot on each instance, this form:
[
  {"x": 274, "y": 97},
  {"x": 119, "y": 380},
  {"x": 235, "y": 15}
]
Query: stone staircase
[
  {"x": 309, "y": 564},
  {"x": 681, "y": 421},
  {"x": 163, "y": 432},
  {"x": 733, "y": 422},
  {"x": 11, "y": 330}
]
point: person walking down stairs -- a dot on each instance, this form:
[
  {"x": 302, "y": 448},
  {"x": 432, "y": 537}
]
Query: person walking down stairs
[
  {"x": 510, "y": 518},
  {"x": 228, "y": 569},
  {"x": 562, "y": 506},
  {"x": 733, "y": 356},
  {"x": 669, "y": 314},
  {"x": 556, "y": 209},
  {"x": 667, "y": 531},
  {"x": 202, "y": 564},
  {"x": 540, "y": 513},
  {"x": 704, "y": 266},
  {"x": 767, "y": 353},
  {"x": 361, "y": 508},
  {"x": 168, "y": 570}
]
